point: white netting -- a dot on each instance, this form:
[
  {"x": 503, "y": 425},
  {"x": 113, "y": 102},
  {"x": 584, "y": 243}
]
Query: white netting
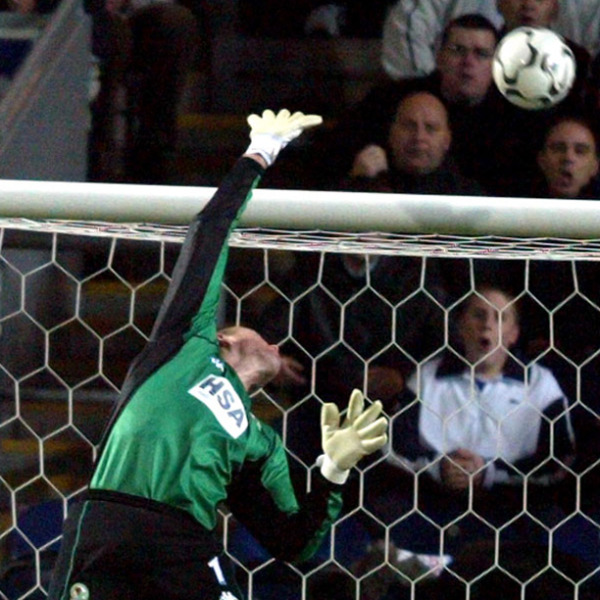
[
  {"x": 372, "y": 242},
  {"x": 78, "y": 300}
]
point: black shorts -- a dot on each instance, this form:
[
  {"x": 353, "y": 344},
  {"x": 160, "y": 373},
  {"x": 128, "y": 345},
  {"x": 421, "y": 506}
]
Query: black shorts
[{"x": 127, "y": 548}]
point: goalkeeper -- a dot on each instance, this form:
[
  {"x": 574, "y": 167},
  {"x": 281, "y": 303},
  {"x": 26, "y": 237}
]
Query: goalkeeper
[{"x": 182, "y": 438}]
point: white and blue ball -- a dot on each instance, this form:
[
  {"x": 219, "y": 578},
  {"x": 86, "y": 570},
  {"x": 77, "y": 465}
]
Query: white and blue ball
[{"x": 533, "y": 68}]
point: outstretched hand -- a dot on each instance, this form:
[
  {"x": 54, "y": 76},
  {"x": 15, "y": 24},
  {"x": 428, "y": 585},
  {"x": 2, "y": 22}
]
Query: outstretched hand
[
  {"x": 270, "y": 132},
  {"x": 363, "y": 432}
]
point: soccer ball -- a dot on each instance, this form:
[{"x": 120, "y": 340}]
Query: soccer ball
[{"x": 533, "y": 68}]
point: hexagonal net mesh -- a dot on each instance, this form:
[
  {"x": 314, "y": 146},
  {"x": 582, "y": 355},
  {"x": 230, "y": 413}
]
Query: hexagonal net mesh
[{"x": 488, "y": 486}]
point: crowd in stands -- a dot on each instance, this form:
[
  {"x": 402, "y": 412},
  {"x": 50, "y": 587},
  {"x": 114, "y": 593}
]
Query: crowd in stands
[
  {"x": 146, "y": 51},
  {"x": 492, "y": 142},
  {"x": 485, "y": 436}
]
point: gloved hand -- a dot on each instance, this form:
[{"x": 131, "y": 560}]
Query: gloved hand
[
  {"x": 363, "y": 432},
  {"x": 271, "y": 132}
]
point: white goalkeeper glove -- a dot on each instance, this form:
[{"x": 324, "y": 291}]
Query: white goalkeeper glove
[
  {"x": 363, "y": 432},
  {"x": 271, "y": 132}
]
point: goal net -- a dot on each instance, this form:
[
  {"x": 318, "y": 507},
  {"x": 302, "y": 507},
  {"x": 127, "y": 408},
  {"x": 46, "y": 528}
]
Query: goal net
[{"x": 360, "y": 291}]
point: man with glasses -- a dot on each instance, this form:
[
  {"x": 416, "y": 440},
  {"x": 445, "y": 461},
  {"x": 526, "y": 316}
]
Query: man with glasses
[
  {"x": 412, "y": 33},
  {"x": 464, "y": 62}
]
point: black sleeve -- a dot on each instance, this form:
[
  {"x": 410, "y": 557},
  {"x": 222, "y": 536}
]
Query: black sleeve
[
  {"x": 207, "y": 235},
  {"x": 284, "y": 536}
]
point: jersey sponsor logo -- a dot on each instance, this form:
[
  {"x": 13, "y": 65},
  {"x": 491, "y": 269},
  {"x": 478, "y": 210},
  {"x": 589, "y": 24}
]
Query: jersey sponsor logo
[
  {"x": 218, "y": 363},
  {"x": 218, "y": 395}
]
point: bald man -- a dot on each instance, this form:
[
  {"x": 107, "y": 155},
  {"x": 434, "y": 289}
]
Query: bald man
[{"x": 416, "y": 159}]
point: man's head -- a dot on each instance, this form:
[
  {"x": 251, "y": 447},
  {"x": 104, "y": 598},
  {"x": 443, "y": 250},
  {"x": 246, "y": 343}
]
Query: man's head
[
  {"x": 420, "y": 136},
  {"x": 464, "y": 59},
  {"x": 533, "y": 13},
  {"x": 255, "y": 361},
  {"x": 569, "y": 157},
  {"x": 488, "y": 327}
]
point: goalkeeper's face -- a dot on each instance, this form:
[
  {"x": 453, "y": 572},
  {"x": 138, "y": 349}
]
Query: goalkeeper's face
[{"x": 255, "y": 360}]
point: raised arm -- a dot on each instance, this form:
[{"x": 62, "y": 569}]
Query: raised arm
[
  {"x": 199, "y": 270},
  {"x": 193, "y": 294},
  {"x": 190, "y": 305}
]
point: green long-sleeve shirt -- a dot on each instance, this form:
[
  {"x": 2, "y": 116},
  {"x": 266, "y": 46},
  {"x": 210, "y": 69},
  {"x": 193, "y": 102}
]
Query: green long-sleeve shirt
[{"x": 183, "y": 433}]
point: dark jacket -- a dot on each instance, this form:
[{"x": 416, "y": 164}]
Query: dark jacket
[{"x": 445, "y": 180}]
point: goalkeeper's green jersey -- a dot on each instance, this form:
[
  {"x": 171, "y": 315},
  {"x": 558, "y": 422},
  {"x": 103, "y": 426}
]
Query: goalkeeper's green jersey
[{"x": 183, "y": 433}]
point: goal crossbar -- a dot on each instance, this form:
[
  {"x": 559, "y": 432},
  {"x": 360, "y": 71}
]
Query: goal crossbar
[{"x": 296, "y": 209}]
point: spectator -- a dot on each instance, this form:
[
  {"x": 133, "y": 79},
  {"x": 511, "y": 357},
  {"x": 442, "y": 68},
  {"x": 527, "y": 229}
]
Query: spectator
[
  {"x": 146, "y": 51},
  {"x": 412, "y": 33},
  {"x": 569, "y": 163},
  {"x": 517, "y": 153},
  {"x": 568, "y": 160},
  {"x": 464, "y": 60},
  {"x": 463, "y": 81},
  {"x": 477, "y": 423},
  {"x": 416, "y": 159}
]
